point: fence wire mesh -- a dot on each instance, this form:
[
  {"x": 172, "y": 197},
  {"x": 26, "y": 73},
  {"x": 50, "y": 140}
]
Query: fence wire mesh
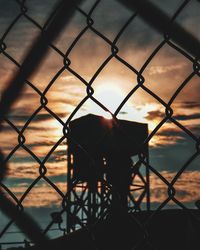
[{"x": 22, "y": 76}]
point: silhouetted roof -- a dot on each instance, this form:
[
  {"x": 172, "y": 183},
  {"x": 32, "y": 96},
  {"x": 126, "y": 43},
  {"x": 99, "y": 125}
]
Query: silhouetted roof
[{"x": 107, "y": 135}]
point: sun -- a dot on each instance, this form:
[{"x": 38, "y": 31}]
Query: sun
[{"x": 110, "y": 96}]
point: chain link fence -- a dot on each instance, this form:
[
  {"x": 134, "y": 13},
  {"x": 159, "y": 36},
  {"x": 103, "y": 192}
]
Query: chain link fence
[{"x": 22, "y": 71}]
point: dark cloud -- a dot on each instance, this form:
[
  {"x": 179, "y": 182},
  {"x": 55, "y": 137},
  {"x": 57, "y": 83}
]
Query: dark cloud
[
  {"x": 39, "y": 117},
  {"x": 190, "y": 104},
  {"x": 174, "y": 156},
  {"x": 171, "y": 132},
  {"x": 8, "y": 129},
  {"x": 155, "y": 115},
  {"x": 179, "y": 134},
  {"x": 40, "y": 144},
  {"x": 187, "y": 117},
  {"x": 195, "y": 129},
  {"x": 36, "y": 9},
  {"x": 13, "y": 181},
  {"x": 180, "y": 117}
]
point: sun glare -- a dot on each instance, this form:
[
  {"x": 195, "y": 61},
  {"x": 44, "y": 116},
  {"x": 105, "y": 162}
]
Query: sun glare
[
  {"x": 111, "y": 97},
  {"x": 107, "y": 116}
]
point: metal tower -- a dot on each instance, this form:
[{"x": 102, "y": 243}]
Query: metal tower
[{"x": 101, "y": 173}]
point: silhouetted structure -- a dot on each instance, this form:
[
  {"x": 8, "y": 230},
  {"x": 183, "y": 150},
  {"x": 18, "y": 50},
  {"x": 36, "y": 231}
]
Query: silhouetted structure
[{"x": 99, "y": 151}]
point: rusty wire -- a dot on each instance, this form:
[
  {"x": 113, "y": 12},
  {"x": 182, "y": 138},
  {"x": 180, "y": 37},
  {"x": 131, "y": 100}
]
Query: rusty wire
[{"x": 12, "y": 93}]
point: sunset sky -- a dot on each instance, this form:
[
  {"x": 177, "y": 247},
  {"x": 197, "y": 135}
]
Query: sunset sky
[{"x": 170, "y": 148}]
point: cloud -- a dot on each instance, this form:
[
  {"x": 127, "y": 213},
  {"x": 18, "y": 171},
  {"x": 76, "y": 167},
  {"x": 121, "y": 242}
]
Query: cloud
[
  {"x": 189, "y": 104},
  {"x": 22, "y": 117},
  {"x": 162, "y": 141},
  {"x": 38, "y": 197},
  {"x": 28, "y": 168},
  {"x": 68, "y": 78},
  {"x": 186, "y": 187},
  {"x": 183, "y": 117},
  {"x": 158, "y": 70},
  {"x": 156, "y": 114}
]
